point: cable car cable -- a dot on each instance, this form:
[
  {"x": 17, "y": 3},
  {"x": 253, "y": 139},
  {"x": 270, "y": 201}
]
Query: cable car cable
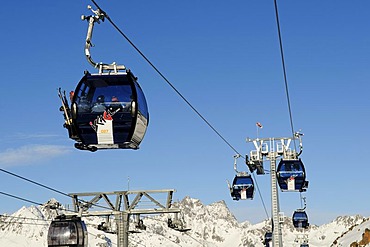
[
  {"x": 159, "y": 220},
  {"x": 164, "y": 77},
  {"x": 30, "y": 201},
  {"x": 24, "y": 218},
  {"x": 254, "y": 179},
  {"x": 49, "y": 188},
  {"x": 187, "y": 234},
  {"x": 259, "y": 192},
  {"x": 173, "y": 87},
  {"x": 20, "y": 198},
  {"x": 294, "y": 134},
  {"x": 31, "y": 181},
  {"x": 133, "y": 240},
  {"x": 284, "y": 70}
]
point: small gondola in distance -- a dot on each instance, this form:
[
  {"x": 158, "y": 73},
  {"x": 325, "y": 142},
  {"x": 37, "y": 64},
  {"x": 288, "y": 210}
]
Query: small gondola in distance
[
  {"x": 267, "y": 239},
  {"x": 242, "y": 187},
  {"x": 108, "y": 111},
  {"x": 300, "y": 219},
  {"x": 291, "y": 175},
  {"x": 67, "y": 231}
]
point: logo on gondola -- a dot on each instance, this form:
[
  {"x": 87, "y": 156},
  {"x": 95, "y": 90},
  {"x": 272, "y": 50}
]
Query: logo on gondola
[
  {"x": 103, "y": 126},
  {"x": 101, "y": 120},
  {"x": 291, "y": 183}
]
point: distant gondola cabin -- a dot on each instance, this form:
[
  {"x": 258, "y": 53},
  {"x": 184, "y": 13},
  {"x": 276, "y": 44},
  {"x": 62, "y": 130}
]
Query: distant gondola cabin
[
  {"x": 268, "y": 239},
  {"x": 300, "y": 219},
  {"x": 242, "y": 187}
]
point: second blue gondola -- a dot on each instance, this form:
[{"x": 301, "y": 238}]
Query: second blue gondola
[
  {"x": 242, "y": 187},
  {"x": 300, "y": 219},
  {"x": 291, "y": 175}
]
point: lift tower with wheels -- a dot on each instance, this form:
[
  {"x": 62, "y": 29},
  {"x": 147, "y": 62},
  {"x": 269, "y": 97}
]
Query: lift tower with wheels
[
  {"x": 271, "y": 149},
  {"x": 126, "y": 204}
]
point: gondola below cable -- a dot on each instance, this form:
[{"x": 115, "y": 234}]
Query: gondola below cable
[
  {"x": 268, "y": 239},
  {"x": 108, "y": 111},
  {"x": 300, "y": 219},
  {"x": 67, "y": 231},
  {"x": 291, "y": 175},
  {"x": 242, "y": 187}
]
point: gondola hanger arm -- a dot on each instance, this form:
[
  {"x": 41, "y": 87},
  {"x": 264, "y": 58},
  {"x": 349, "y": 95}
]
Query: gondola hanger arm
[
  {"x": 97, "y": 16},
  {"x": 236, "y": 156},
  {"x": 299, "y": 135}
]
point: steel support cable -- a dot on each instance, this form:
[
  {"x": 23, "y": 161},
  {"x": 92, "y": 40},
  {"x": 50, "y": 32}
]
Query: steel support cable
[
  {"x": 49, "y": 188},
  {"x": 25, "y": 223},
  {"x": 20, "y": 218},
  {"x": 173, "y": 87},
  {"x": 164, "y": 77},
  {"x": 20, "y": 198},
  {"x": 29, "y": 201},
  {"x": 259, "y": 192},
  {"x": 187, "y": 234},
  {"x": 159, "y": 220},
  {"x": 284, "y": 71},
  {"x": 36, "y": 183}
]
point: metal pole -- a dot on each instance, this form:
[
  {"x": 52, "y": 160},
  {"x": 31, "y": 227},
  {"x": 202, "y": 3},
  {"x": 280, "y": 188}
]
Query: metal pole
[
  {"x": 275, "y": 209},
  {"x": 120, "y": 229},
  {"x": 125, "y": 227},
  {"x": 272, "y": 153}
]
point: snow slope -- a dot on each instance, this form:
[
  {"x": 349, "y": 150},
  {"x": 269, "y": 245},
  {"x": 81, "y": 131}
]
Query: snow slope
[{"x": 211, "y": 225}]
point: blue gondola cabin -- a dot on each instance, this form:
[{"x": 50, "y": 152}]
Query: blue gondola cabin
[
  {"x": 108, "y": 111},
  {"x": 291, "y": 175},
  {"x": 242, "y": 187},
  {"x": 300, "y": 219}
]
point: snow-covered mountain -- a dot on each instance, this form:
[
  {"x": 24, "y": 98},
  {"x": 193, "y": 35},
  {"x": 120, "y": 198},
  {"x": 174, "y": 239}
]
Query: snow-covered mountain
[{"x": 211, "y": 225}]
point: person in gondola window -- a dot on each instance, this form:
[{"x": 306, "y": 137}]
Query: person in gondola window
[
  {"x": 115, "y": 105},
  {"x": 99, "y": 106},
  {"x": 71, "y": 95}
]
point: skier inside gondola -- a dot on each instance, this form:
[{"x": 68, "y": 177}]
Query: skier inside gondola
[
  {"x": 99, "y": 106},
  {"x": 115, "y": 105}
]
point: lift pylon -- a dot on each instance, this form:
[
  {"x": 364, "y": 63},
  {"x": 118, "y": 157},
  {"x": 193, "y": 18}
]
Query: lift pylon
[
  {"x": 271, "y": 149},
  {"x": 126, "y": 204}
]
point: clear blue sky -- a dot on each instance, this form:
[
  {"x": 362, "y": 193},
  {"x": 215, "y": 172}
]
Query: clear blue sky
[{"x": 224, "y": 58}]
